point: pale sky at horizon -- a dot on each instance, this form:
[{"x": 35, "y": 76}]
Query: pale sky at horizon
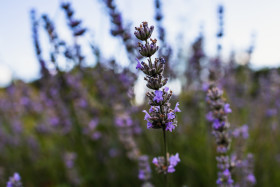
[{"x": 242, "y": 18}]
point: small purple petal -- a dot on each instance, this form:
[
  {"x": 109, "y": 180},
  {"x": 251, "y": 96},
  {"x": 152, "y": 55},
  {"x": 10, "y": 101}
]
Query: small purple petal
[
  {"x": 174, "y": 160},
  {"x": 147, "y": 116},
  {"x": 227, "y": 109},
  {"x": 138, "y": 64},
  {"x": 149, "y": 125},
  {"x": 155, "y": 161},
  {"x": 170, "y": 115},
  {"x": 251, "y": 178},
  {"x": 176, "y": 109},
  {"x": 169, "y": 126},
  {"x": 171, "y": 169}
]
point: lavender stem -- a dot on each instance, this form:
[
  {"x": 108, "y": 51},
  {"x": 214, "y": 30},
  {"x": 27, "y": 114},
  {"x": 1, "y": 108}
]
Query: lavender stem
[{"x": 165, "y": 155}]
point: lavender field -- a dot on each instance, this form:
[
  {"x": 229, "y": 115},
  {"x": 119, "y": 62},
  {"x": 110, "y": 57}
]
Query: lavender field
[{"x": 206, "y": 119}]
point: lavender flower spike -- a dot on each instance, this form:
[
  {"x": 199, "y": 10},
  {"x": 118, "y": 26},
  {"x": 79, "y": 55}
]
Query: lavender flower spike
[
  {"x": 160, "y": 115},
  {"x": 218, "y": 117},
  {"x": 172, "y": 162}
]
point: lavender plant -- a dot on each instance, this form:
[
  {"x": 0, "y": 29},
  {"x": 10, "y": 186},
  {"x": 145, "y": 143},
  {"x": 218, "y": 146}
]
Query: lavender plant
[
  {"x": 218, "y": 117},
  {"x": 243, "y": 164},
  {"x": 160, "y": 115}
]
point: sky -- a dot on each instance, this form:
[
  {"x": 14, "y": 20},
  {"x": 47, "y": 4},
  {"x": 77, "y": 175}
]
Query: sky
[{"x": 186, "y": 17}]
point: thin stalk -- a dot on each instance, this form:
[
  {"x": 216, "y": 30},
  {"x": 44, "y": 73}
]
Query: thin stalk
[{"x": 165, "y": 155}]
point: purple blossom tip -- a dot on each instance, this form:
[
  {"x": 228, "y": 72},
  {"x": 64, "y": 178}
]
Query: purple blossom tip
[
  {"x": 219, "y": 181},
  {"x": 227, "y": 109},
  {"x": 226, "y": 173},
  {"x": 209, "y": 116},
  {"x": 147, "y": 116},
  {"x": 177, "y": 109},
  {"x": 149, "y": 125},
  {"x": 251, "y": 178},
  {"x": 138, "y": 64},
  {"x": 17, "y": 177},
  {"x": 166, "y": 89},
  {"x": 174, "y": 160},
  {"x": 155, "y": 161}
]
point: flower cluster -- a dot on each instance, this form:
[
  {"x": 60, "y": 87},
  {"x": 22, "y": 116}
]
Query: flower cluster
[
  {"x": 14, "y": 181},
  {"x": 160, "y": 114},
  {"x": 241, "y": 132},
  {"x": 159, "y": 162},
  {"x": 218, "y": 117},
  {"x": 119, "y": 29},
  {"x": 144, "y": 170},
  {"x": 72, "y": 173},
  {"x": 243, "y": 165},
  {"x": 244, "y": 171}
]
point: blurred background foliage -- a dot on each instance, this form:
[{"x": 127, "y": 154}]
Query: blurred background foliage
[{"x": 80, "y": 125}]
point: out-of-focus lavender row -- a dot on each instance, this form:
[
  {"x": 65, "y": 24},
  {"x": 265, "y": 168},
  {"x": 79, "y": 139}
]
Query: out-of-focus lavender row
[{"x": 82, "y": 127}]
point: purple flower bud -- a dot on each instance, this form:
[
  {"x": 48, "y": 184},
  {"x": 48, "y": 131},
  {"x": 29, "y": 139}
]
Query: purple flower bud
[
  {"x": 251, "y": 178},
  {"x": 216, "y": 124},
  {"x": 205, "y": 86},
  {"x": 209, "y": 116},
  {"x": 16, "y": 177},
  {"x": 219, "y": 181},
  {"x": 149, "y": 125},
  {"x": 158, "y": 96},
  {"x": 155, "y": 161},
  {"x": 138, "y": 64},
  {"x": 227, "y": 109},
  {"x": 141, "y": 175},
  {"x": 176, "y": 109},
  {"x": 170, "y": 116},
  {"x": 170, "y": 169},
  {"x": 147, "y": 116},
  {"x": 230, "y": 181},
  {"x": 174, "y": 160},
  {"x": 244, "y": 131},
  {"x": 162, "y": 60},
  {"x": 153, "y": 109},
  {"x": 226, "y": 173},
  {"x": 169, "y": 126}
]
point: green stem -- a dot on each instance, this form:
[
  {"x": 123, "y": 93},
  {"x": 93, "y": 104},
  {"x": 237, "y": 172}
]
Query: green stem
[{"x": 165, "y": 156}]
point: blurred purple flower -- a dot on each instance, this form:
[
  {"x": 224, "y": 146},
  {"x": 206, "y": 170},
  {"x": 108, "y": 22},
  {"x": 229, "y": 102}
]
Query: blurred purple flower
[
  {"x": 139, "y": 66},
  {"x": 227, "y": 108}
]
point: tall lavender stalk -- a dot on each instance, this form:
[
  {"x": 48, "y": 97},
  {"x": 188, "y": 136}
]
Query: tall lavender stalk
[
  {"x": 218, "y": 117},
  {"x": 160, "y": 115}
]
